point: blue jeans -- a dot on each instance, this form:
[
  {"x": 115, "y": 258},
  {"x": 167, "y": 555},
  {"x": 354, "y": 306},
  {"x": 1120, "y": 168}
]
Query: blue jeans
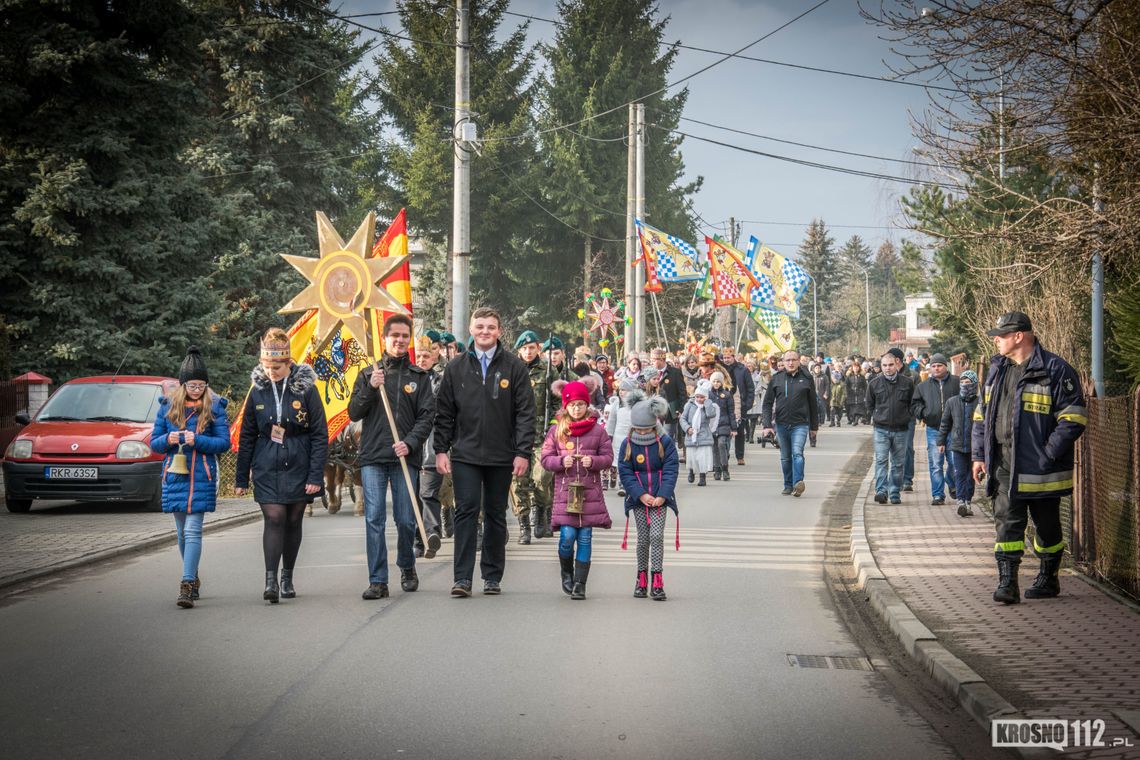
[
  {"x": 889, "y": 446},
  {"x": 189, "y": 542},
  {"x": 567, "y": 535},
  {"x": 792, "y": 439},
  {"x": 963, "y": 475},
  {"x": 375, "y": 478},
  {"x": 908, "y": 468},
  {"x": 941, "y": 465}
]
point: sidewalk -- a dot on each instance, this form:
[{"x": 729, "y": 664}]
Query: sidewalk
[
  {"x": 1074, "y": 657},
  {"x": 52, "y": 538}
]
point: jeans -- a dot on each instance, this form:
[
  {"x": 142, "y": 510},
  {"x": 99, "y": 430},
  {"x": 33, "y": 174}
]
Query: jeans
[
  {"x": 189, "y": 542},
  {"x": 890, "y": 445},
  {"x": 480, "y": 487},
  {"x": 792, "y": 439},
  {"x": 941, "y": 465},
  {"x": 963, "y": 475},
  {"x": 376, "y": 478},
  {"x": 908, "y": 468},
  {"x": 567, "y": 535}
]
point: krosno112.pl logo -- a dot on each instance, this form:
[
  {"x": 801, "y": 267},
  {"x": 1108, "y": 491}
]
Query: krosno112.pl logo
[{"x": 1049, "y": 732}]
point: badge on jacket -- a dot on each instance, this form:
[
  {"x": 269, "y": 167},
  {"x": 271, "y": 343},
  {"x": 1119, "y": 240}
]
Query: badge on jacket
[
  {"x": 504, "y": 383},
  {"x": 410, "y": 388},
  {"x": 296, "y": 404}
]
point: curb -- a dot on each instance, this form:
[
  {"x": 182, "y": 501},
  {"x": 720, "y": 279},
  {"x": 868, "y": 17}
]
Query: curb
[
  {"x": 976, "y": 696},
  {"x": 144, "y": 544}
]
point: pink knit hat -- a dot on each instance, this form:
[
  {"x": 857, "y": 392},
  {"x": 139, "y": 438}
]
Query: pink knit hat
[{"x": 575, "y": 391}]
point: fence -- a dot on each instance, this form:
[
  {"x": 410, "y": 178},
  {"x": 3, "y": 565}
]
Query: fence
[
  {"x": 13, "y": 399},
  {"x": 1105, "y": 525}
]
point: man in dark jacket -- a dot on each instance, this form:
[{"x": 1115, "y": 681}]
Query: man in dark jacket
[
  {"x": 906, "y": 371},
  {"x": 408, "y": 389},
  {"x": 928, "y": 404},
  {"x": 741, "y": 380},
  {"x": 672, "y": 385},
  {"x": 484, "y": 436},
  {"x": 1030, "y": 414},
  {"x": 888, "y": 405},
  {"x": 790, "y": 400}
]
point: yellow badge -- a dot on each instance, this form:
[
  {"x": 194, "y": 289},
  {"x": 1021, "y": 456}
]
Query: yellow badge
[
  {"x": 504, "y": 383},
  {"x": 296, "y": 404},
  {"x": 569, "y": 445},
  {"x": 410, "y": 388},
  {"x": 641, "y": 459}
]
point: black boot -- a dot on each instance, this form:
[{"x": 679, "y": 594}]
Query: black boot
[
  {"x": 702, "y": 481},
  {"x": 692, "y": 476},
  {"x": 547, "y": 530},
  {"x": 1007, "y": 591},
  {"x": 287, "y": 590},
  {"x": 724, "y": 475},
  {"x": 195, "y": 589},
  {"x": 567, "y": 564},
  {"x": 657, "y": 594},
  {"x": 641, "y": 588},
  {"x": 524, "y": 529},
  {"x": 448, "y": 516},
  {"x": 272, "y": 592},
  {"x": 1046, "y": 585},
  {"x": 581, "y": 574},
  {"x": 716, "y": 473}
]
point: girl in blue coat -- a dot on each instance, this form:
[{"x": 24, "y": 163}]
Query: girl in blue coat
[
  {"x": 648, "y": 470},
  {"x": 192, "y": 420}
]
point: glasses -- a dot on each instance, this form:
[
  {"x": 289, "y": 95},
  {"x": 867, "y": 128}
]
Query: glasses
[{"x": 195, "y": 386}]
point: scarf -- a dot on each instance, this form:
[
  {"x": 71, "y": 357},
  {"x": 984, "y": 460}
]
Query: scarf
[
  {"x": 579, "y": 428},
  {"x": 968, "y": 391},
  {"x": 643, "y": 439},
  {"x": 698, "y": 419}
]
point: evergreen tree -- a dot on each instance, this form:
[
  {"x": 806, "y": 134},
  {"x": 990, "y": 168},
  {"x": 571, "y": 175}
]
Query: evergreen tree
[
  {"x": 854, "y": 258},
  {"x": 818, "y": 256},
  {"x": 911, "y": 275}
]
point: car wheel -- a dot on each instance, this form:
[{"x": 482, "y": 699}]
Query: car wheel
[{"x": 17, "y": 505}]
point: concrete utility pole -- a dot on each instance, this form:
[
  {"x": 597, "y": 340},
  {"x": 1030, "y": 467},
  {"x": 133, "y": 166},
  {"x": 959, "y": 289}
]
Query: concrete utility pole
[
  {"x": 1098, "y": 305},
  {"x": 732, "y": 309},
  {"x": 639, "y": 282},
  {"x": 630, "y": 229},
  {"x": 463, "y": 133}
]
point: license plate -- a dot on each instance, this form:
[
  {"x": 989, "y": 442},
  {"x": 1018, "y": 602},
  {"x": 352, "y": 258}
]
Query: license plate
[{"x": 71, "y": 473}]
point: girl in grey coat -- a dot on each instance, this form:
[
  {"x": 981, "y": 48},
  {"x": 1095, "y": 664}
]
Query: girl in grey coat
[{"x": 699, "y": 421}]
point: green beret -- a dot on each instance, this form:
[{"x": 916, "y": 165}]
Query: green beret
[
  {"x": 447, "y": 337},
  {"x": 459, "y": 347},
  {"x": 551, "y": 343},
  {"x": 433, "y": 336},
  {"x": 528, "y": 336}
]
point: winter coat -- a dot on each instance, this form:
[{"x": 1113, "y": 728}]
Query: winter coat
[
  {"x": 1050, "y": 416},
  {"x": 617, "y": 417},
  {"x": 672, "y": 389},
  {"x": 838, "y": 395},
  {"x": 791, "y": 400},
  {"x": 704, "y": 435},
  {"x": 889, "y": 402},
  {"x": 649, "y": 469},
  {"x": 595, "y": 444},
  {"x": 930, "y": 397},
  {"x": 726, "y": 421},
  {"x": 956, "y": 429},
  {"x": 856, "y": 385},
  {"x": 485, "y": 421},
  {"x": 760, "y": 386},
  {"x": 282, "y": 470},
  {"x": 198, "y": 491},
  {"x": 691, "y": 379},
  {"x": 413, "y": 405},
  {"x": 429, "y": 444},
  {"x": 822, "y": 387},
  {"x": 742, "y": 381}
]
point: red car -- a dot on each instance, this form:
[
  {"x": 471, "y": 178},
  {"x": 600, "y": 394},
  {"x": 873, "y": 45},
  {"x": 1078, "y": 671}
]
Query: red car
[{"x": 89, "y": 442}]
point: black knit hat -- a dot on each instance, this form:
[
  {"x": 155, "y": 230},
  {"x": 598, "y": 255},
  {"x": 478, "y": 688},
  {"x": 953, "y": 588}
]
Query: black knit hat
[{"x": 193, "y": 368}]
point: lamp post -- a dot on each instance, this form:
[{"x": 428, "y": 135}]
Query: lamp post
[{"x": 867, "y": 291}]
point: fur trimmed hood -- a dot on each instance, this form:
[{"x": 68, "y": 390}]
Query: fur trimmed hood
[{"x": 302, "y": 377}]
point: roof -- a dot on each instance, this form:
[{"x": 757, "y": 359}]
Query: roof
[{"x": 32, "y": 378}]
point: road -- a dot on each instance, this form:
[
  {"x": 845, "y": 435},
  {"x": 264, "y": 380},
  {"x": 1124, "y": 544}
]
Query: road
[{"x": 102, "y": 663}]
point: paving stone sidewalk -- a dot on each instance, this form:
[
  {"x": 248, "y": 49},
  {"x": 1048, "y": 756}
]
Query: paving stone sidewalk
[
  {"x": 1073, "y": 657},
  {"x": 56, "y": 536}
]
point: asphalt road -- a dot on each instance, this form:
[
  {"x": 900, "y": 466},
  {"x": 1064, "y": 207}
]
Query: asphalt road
[{"x": 102, "y": 663}]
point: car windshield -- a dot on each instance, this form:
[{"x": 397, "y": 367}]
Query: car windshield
[{"x": 110, "y": 402}]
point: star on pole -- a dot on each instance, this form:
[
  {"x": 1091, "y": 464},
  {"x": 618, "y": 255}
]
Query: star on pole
[{"x": 344, "y": 282}]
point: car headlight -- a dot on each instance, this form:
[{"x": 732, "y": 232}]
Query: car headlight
[
  {"x": 19, "y": 449},
  {"x": 132, "y": 450}
]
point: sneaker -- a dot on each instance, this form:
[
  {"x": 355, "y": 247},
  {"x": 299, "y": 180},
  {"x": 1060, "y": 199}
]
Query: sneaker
[
  {"x": 798, "y": 489},
  {"x": 938, "y": 501},
  {"x": 969, "y": 509},
  {"x": 953, "y": 492},
  {"x": 880, "y": 498},
  {"x": 896, "y": 500},
  {"x": 492, "y": 588},
  {"x": 409, "y": 581},
  {"x": 433, "y": 545},
  {"x": 961, "y": 508},
  {"x": 786, "y": 492},
  {"x": 621, "y": 492},
  {"x": 461, "y": 589},
  {"x": 375, "y": 591},
  {"x": 908, "y": 486}
]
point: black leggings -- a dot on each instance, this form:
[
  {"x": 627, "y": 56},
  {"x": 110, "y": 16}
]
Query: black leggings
[{"x": 282, "y": 535}]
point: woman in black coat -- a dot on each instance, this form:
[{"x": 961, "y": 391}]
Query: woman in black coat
[{"x": 284, "y": 442}]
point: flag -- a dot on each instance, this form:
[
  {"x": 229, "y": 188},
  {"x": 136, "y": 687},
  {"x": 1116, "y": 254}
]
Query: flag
[
  {"x": 667, "y": 258},
  {"x": 782, "y": 281},
  {"x": 776, "y": 326},
  {"x": 342, "y": 359},
  {"x": 729, "y": 278}
]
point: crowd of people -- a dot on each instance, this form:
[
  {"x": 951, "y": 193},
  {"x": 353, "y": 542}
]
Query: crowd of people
[{"x": 469, "y": 430}]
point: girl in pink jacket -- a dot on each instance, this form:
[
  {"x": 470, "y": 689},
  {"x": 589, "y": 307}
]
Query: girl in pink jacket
[{"x": 577, "y": 450}]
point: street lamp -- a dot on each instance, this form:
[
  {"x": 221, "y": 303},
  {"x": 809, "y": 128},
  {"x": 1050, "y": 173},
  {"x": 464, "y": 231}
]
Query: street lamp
[{"x": 867, "y": 286}]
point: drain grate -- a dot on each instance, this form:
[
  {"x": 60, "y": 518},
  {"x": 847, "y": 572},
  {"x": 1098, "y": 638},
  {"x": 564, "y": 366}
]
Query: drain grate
[{"x": 829, "y": 662}]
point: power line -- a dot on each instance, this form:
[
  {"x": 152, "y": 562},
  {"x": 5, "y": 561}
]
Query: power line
[
  {"x": 671, "y": 84},
  {"x": 808, "y": 224},
  {"x": 376, "y": 30},
  {"x": 554, "y": 216}
]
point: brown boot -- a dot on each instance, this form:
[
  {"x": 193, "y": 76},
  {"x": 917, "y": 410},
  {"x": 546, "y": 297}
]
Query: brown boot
[{"x": 184, "y": 592}]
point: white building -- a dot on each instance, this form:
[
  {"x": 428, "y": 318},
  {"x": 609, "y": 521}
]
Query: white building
[{"x": 916, "y": 332}]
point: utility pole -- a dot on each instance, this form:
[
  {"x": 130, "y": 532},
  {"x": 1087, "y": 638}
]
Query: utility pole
[
  {"x": 732, "y": 309},
  {"x": 815, "y": 317},
  {"x": 630, "y": 229},
  {"x": 639, "y": 197},
  {"x": 464, "y": 133},
  {"x": 1098, "y": 303}
]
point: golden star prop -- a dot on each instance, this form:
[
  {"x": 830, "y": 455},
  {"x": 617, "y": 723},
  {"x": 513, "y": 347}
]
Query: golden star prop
[{"x": 344, "y": 282}]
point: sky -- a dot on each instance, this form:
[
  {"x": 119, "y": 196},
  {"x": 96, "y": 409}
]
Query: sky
[{"x": 775, "y": 199}]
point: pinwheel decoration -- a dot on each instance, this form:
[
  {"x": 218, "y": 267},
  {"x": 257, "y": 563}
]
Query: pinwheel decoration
[{"x": 609, "y": 317}]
